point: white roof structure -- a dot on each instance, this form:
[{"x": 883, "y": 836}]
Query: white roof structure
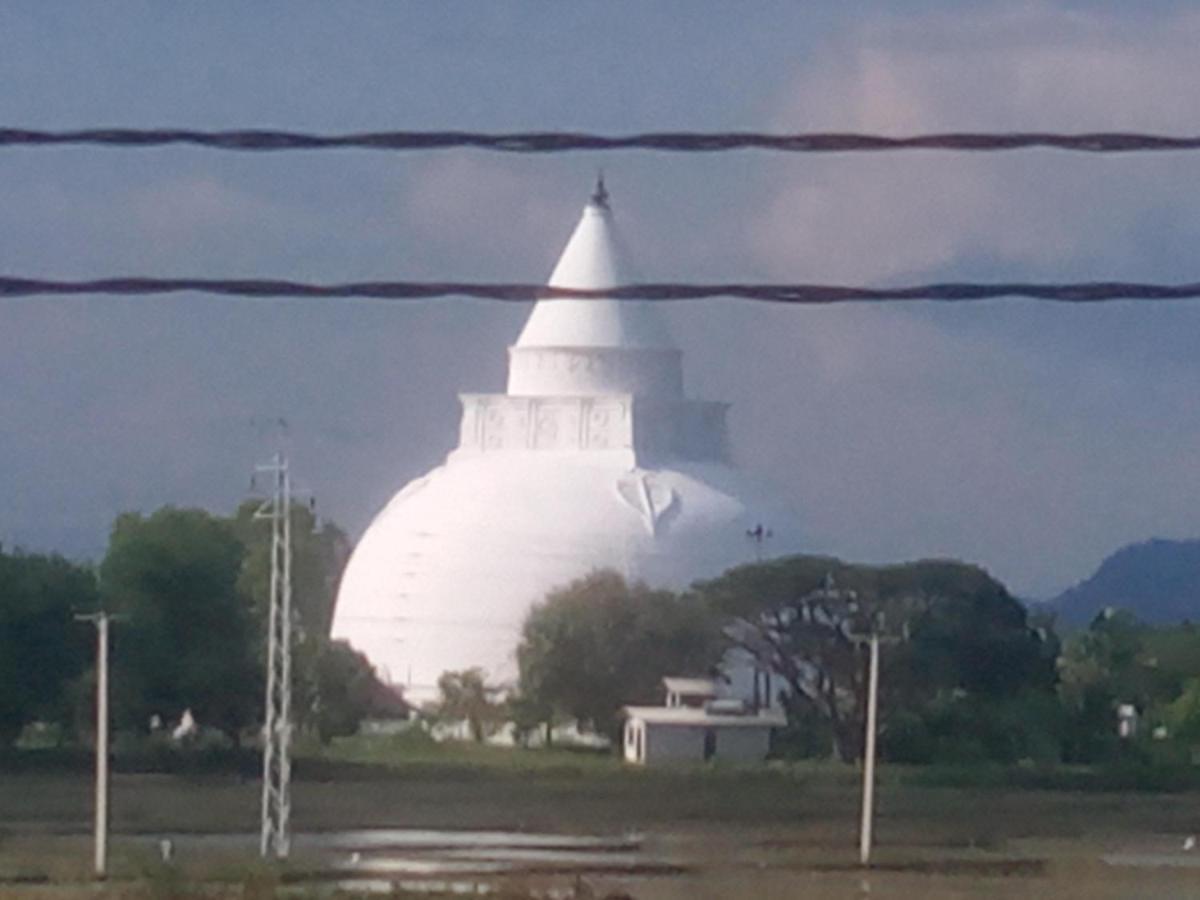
[
  {"x": 689, "y": 715},
  {"x": 691, "y": 687},
  {"x": 593, "y": 458}
]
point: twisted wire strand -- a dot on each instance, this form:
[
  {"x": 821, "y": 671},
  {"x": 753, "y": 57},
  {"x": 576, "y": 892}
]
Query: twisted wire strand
[
  {"x": 266, "y": 140},
  {"x": 791, "y": 294}
]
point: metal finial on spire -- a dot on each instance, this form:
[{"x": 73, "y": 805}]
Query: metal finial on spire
[{"x": 600, "y": 195}]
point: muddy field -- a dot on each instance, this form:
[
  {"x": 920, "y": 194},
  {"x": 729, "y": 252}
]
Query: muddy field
[{"x": 600, "y": 831}]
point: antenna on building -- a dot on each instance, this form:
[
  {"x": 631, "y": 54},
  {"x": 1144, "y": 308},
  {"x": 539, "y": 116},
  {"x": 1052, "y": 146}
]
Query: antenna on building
[{"x": 277, "y": 760}]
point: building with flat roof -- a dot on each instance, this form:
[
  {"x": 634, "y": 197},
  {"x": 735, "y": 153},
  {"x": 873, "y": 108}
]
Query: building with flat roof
[{"x": 697, "y": 724}]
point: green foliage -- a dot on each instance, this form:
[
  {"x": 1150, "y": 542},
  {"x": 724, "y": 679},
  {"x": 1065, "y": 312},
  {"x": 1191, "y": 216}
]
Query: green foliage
[
  {"x": 960, "y": 643},
  {"x": 344, "y": 690},
  {"x": 189, "y": 641},
  {"x": 42, "y": 649},
  {"x": 599, "y": 643},
  {"x": 196, "y": 589},
  {"x": 319, "y": 553},
  {"x": 1120, "y": 660},
  {"x": 957, "y": 728},
  {"x": 466, "y": 697},
  {"x": 334, "y": 687},
  {"x": 1183, "y": 714}
]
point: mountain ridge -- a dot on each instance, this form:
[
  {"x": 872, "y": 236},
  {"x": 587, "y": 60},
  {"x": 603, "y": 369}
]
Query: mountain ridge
[{"x": 1158, "y": 580}]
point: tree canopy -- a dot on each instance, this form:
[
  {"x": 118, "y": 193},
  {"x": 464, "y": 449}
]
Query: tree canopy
[
  {"x": 319, "y": 553},
  {"x": 42, "y": 648},
  {"x": 600, "y": 643},
  {"x": 189, "y": 641},
  {"x": 960, "y": 634},
  {"x": 466, "y": 697},
  {"x": 195, "y": 588}
]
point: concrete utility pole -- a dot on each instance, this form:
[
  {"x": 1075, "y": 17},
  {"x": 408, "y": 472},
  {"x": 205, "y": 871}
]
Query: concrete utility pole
[
  {"x": 868, "y": 795},
  {"x": 872, "y": 639},
  {"x": 101, "y": 620},
  {"x": 277, "y": 761}
]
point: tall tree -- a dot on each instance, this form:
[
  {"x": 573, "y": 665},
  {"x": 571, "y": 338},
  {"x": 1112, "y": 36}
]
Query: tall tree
[
  {"x": 42, "y": 649},
  {"x": 600, "y": 643},
  {"x": 802, "y": 618},
  {"x": 319, "y": 553},
  {"x": 1121, "y": 660},
  {"x": 334, "y": 688},
  {"x": 793, "y": 617},
  {"x": 342, "y": 690},
  {"x": 190, "y": 641},
  {"x": 466, "y": 697}
]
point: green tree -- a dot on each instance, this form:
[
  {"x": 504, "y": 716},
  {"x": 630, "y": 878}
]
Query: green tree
[
  {"x": 334, "y": 687},
  {"x": 1100, "y": 667},
  {"x": 466, "y": 697},
  {"x": 189, "y": 641},
  {"x": 1121, "y": 660},
  {"x": 967, "y": 641},
  {"x": 599, "y": 643},
  {"x": 42, "y": 648},
  {"x": 1183, "y": 714},
  {"x": 793, "y": 616},
  {"x": 319, "y": 553},
  {"x": 344, "y": 691}
]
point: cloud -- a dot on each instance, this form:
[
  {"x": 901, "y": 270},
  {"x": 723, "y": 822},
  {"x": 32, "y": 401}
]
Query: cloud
[
  {"x": 897, "y": 436},
  {"x": 901, "y": 216},
  {"x": 189, "y": 204},
  {"x": 1030, "y": 438},
  {"x": 456, "y": 200}
]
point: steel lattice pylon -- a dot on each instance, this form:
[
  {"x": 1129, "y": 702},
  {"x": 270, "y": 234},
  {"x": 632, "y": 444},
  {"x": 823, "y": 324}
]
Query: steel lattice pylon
[{"x": 277, "y": 730}]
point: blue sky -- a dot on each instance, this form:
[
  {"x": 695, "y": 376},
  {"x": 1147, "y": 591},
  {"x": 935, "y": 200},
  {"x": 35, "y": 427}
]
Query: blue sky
[{"x": 1030, "y": 438}]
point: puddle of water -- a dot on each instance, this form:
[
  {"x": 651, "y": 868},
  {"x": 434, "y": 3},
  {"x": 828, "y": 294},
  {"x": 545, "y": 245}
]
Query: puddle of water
[
  {"x": 419, "y": 839},
  {"x": 572, "y": 857},
  {"x": 504, "y": 862},
  {"x": 389, "y": 838},
  {"x": 384, "y": 886},
  {"x": 1153, "y": 860},
  {"x": 1162, "y": 851},
  {"x": 428, "y": 867},
  {"x": 424, "y": 855}
]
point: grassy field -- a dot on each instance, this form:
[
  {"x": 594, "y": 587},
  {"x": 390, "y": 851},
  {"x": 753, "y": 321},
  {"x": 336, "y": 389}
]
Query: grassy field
[{"x": 775, "y": 831}]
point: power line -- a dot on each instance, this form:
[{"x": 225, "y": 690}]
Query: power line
[
  {"x": 790, "y": 294},
  {"x": 264, "y": 140}
]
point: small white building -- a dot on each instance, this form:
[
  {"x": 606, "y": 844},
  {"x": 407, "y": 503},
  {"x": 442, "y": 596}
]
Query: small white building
[{"x": 698, "y": 724}]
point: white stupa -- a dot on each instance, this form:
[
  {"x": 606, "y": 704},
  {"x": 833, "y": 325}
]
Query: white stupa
[{"x": 593, "y": 458}]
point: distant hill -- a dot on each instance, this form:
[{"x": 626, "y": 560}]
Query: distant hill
[{"x": 1158, "y": 581}]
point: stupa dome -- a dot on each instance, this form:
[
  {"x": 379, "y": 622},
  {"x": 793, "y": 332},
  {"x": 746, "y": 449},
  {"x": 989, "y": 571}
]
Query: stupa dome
[{"x": 593, "y": 458}]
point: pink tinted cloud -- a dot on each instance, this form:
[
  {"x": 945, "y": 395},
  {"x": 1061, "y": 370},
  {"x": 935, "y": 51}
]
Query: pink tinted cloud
[{"x": 886, "y": 218}]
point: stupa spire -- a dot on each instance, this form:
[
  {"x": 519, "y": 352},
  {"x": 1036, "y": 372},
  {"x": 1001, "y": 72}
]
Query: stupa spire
[
  {"x": 600, "y": 195},
  {"x": 593, "y": 260}
]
